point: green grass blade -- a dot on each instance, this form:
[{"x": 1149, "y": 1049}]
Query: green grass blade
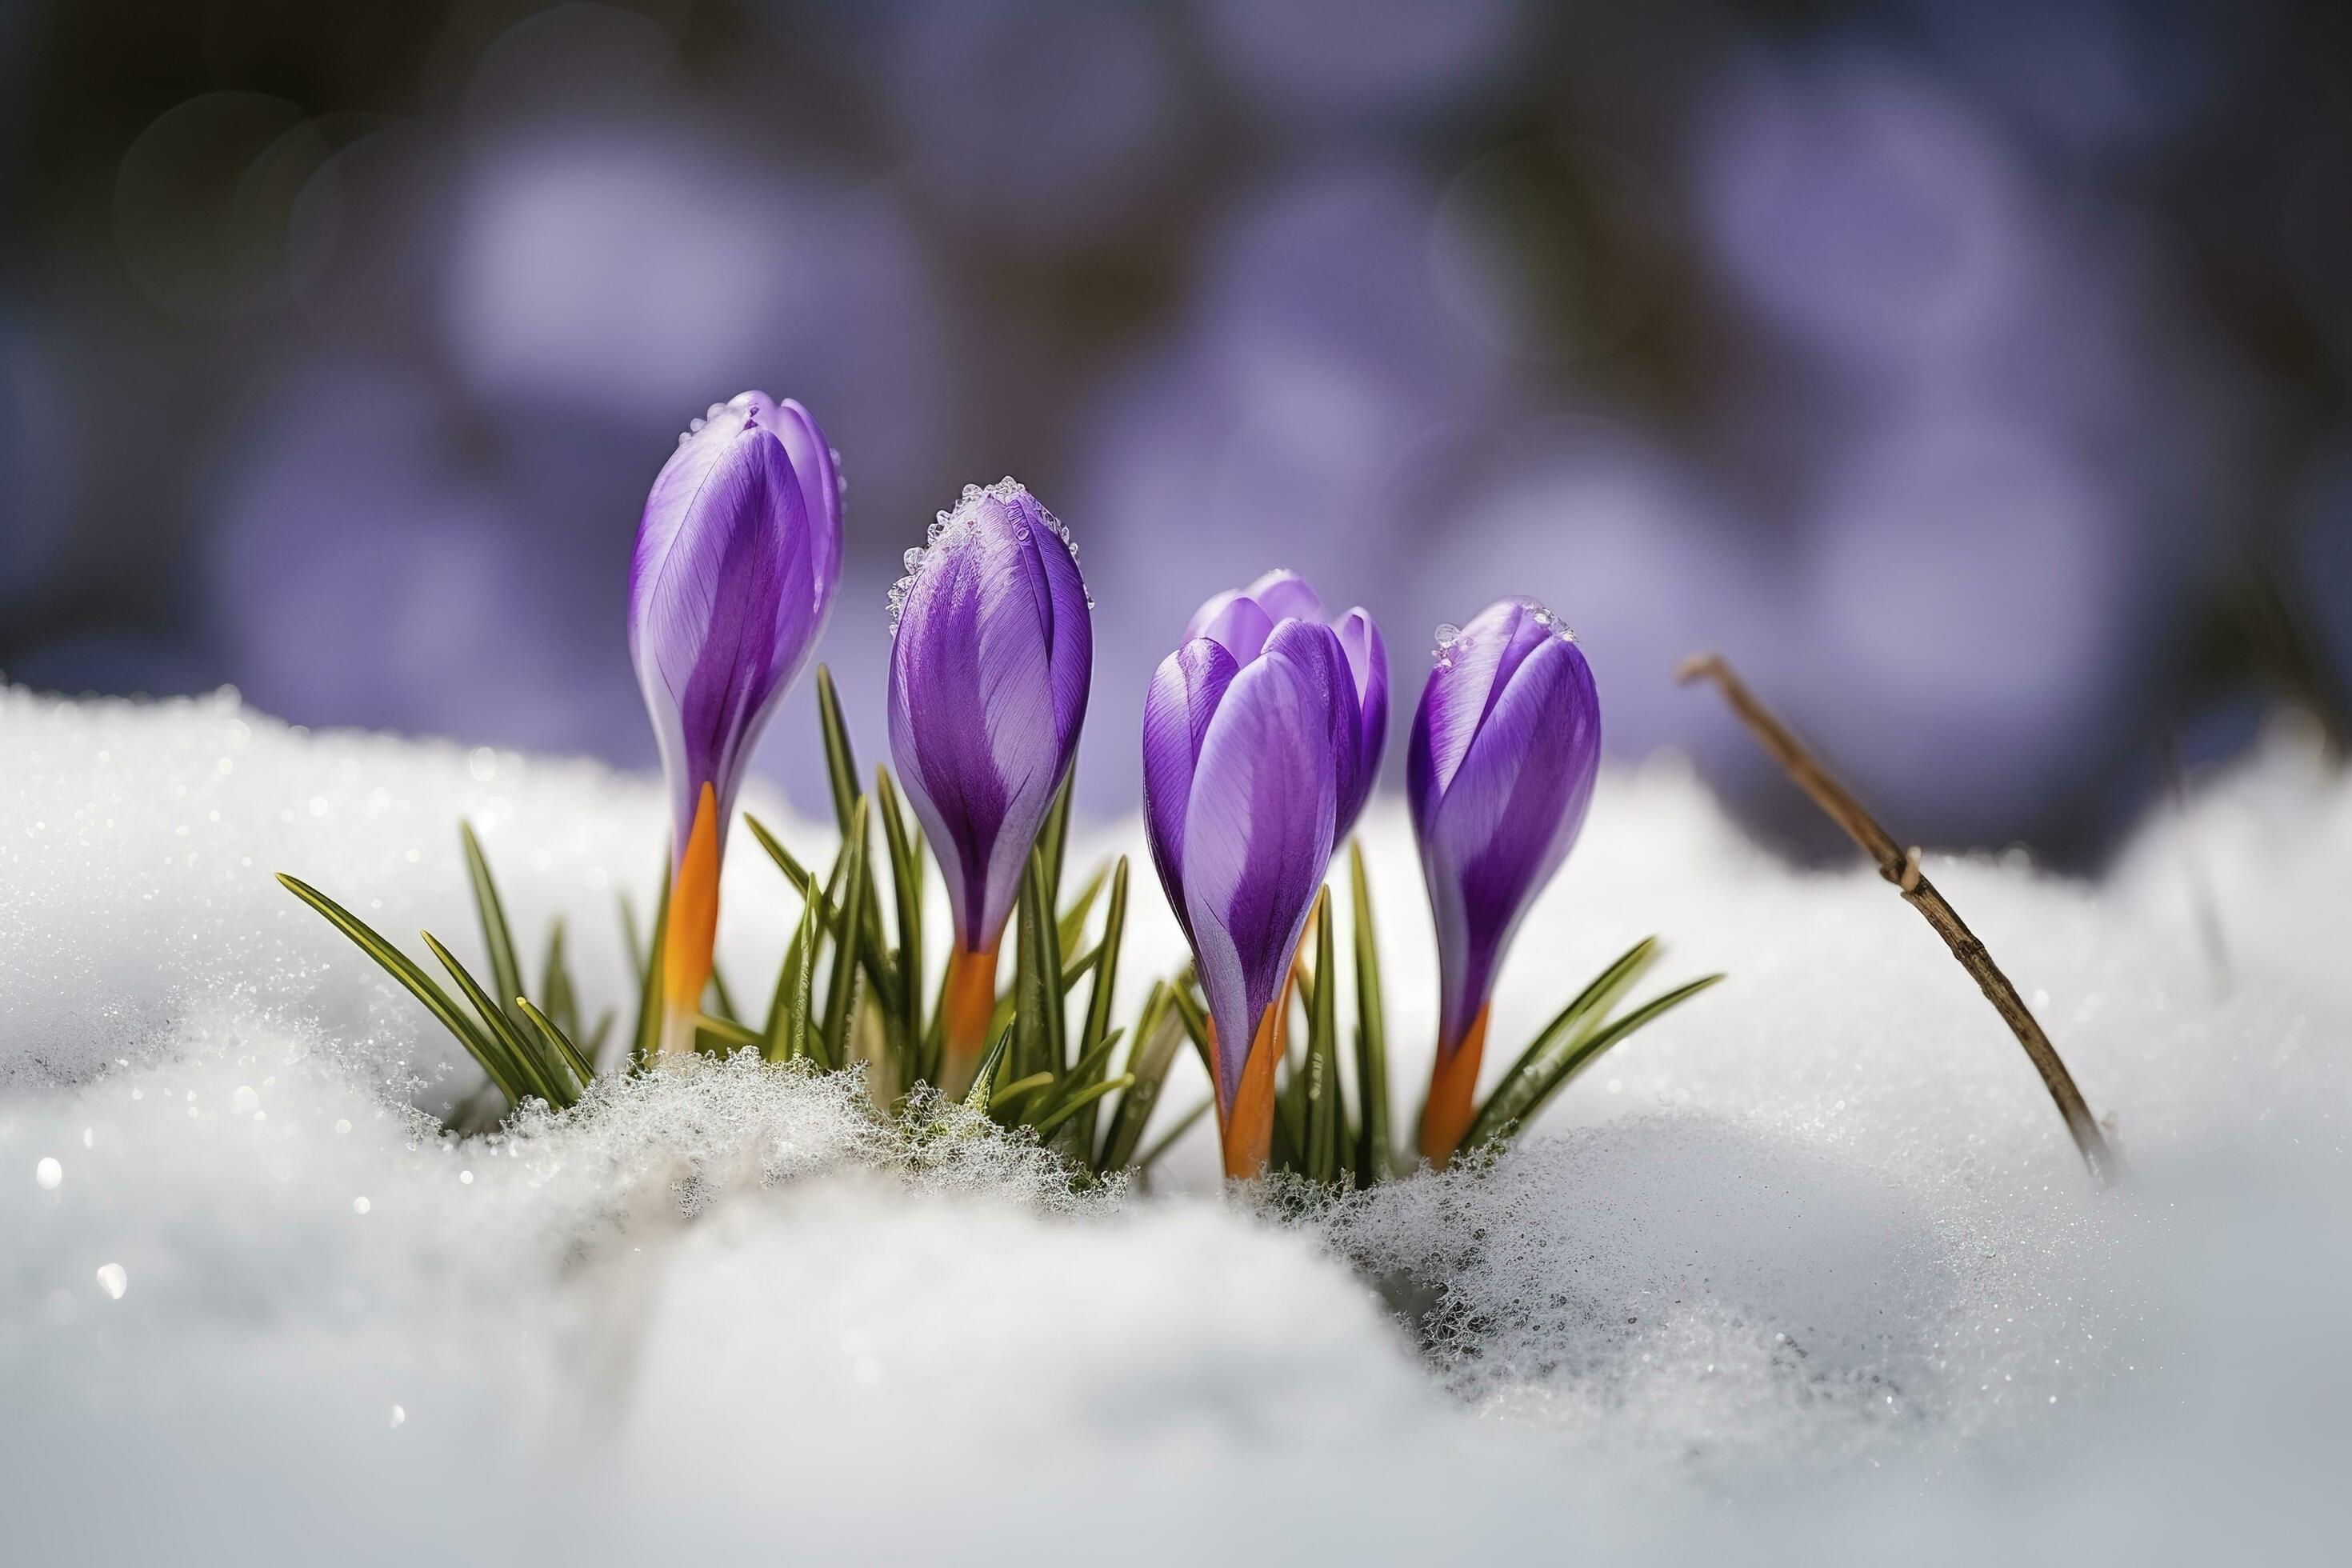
[
  {"x": 984, "y": 1081},
  {"x": 1324, "y": 1112},
  {"x": 1168, "y": 1139},
  {"x": 722, "y": 1001},
  {"x": 563, "y": 1000},
  {"x": 1095, "y": 1034},
  {"x": 1196, "y": 1020},
  {"x": 603, "y": 1031},
  {"x": 1159, "y": 1032},
  {"x": 906, "y": 884},
  {"x": 1072, "y": 921},
  {"x": 1040, "y": 1042},
  {"x": 647, "y": 1037},
  {"x": 1054, "y": 838},
  {"x": 1375, "y": 1154},
  {"x": 1588, "y": 1007},
  {"x": 530, "y": 1067},
  {"x": 1502, "y": 1117},
  {"x": 629, "y": 928},
  {"x": 842, "y": 988},
  {"x": 728, "y": 1035},
  {"x": 506, "y": 971},
  {"x": 414, "y": 980},
  {"x": 786, "y": 1035},
  {"x": 840, "y": 761},
  {"x": 558, "y": 1043},
  {"x": 872, "y": 953},
  {"x": 1053, "y": 1120},
  {"x": 1002, "y": 1102}
]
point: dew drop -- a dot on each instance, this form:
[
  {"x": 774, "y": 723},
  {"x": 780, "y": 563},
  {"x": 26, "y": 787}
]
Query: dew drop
[{"x": 112, "y": 1279}]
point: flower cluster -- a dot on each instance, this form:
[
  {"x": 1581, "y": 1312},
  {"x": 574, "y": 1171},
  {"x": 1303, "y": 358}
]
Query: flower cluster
[{"x": 1263, "y": 732}]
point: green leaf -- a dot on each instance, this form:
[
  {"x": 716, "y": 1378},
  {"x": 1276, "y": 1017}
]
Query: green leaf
[
  {"x": 558, "y": 1043},
  {"x": 648, "y": 1038},
  {"x": 984, "y": 1081},
  {"x": 530, "y": 1067},
  {"x": 1158, "y": 1034},
  {"x": 1168, "y": 1139},
  {"x": 603, "y": 1031},
  {"x": 1195, "y": 1020},
  {"x": 1095, "y": 1034},
  {"x": 1053, "y": 1120},
  {"x": 1020, "y": 1089},
  {"x": 872, "y": 953},
  {"x": 906, "y": 883},
  {"x": 506, "y": 973},
  {"x": 1054, "y": 838},
  {"x": 731, "y": 1035},
  {"x": 1375, "y": 1154},
  {"x": 1072, "y": 921},
  {"x": 842, "y": 988},
  {"x": 722, "y": 1003},
  {"x": 1557, "y": 1057},
  {"x": 788, "y": 1014},
  {"x": 840, "y": 761},
  {"x": 1587, "y": 1008},
  {"x": 562, "y": 1001},
  {"x": 1323, "y": 1112},
  {"x": 1039, "y": 1044},
  {"x": 629, "y": 928},
  {"x": 415, "y": 981}
]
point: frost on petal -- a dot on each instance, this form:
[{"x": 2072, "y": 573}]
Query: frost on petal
[
  {"x": 714, "y": 632},
  {"x": 990, "y": 668},
  {"x": 1506, "y": 820},
  {"x": 1257, "y": 829}
]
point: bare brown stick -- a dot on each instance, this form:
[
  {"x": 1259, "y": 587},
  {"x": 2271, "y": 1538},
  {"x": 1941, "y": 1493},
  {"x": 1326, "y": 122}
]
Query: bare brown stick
[{"x": 1901, "y": 867}]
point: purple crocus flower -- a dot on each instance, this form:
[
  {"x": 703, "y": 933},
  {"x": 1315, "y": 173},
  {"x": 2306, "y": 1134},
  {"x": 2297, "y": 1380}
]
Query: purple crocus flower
[
  {"x": 1255, "y": 754},
  {"x": 738, "y": 556},
  {"x": 991, "y": 655},
  {"x": 1241, "y": 619},
  {"x": 1505, "y": 746}
]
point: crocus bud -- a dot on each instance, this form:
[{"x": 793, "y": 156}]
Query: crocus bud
[
  {"x": 738, "y": 556},
  {"x": 1500, "y": 767},
  {"x": 1241, "y": 619},
  {"x": 1246, "y": 757},
  {"x": 990, "y": 654}
]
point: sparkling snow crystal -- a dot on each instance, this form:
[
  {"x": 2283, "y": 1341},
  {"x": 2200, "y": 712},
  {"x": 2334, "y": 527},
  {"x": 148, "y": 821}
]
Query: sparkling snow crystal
[{"x": 1809, "y": 1270}]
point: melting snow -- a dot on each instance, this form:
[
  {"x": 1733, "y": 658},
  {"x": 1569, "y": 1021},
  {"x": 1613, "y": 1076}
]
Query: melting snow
[{"x": 1822, "y": 1279}]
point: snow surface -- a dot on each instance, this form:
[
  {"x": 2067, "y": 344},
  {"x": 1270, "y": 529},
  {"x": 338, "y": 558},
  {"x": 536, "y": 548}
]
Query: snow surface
[{"x": 1807, "y": 1270}]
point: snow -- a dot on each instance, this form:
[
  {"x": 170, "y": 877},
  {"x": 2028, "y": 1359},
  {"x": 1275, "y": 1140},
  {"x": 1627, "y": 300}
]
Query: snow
[{"x": 1807, "y": 1270}]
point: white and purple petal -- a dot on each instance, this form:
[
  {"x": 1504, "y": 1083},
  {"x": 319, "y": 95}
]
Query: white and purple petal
[
  {"x": 990, "y": 664},
  {"x": 1257, "y": 827},
  {"x": 728, "y": 588},
  {"x": 1500, "y": 767},
  {"x": 1183, "y": 696}
]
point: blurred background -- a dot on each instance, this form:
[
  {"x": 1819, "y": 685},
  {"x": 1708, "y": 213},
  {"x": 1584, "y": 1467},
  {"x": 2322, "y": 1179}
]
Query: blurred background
[{"x": 1973, "y": 371}]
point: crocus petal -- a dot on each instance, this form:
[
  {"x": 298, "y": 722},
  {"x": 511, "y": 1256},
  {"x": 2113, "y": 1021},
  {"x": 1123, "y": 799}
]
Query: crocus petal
[
  {"x": 1235, "y": 622},
  {"x": 1504, "y": 749},
  {"x": 1368, "y": 668},
  {"x": 820, "y": 478},
  {"x": 1183, "y": 696},
  {"x": 1285, "y": 595},
  {"x": 1257, "y": 828},
  {"x": 989, "y": 666},
  {"x": 723, "y": 605}
]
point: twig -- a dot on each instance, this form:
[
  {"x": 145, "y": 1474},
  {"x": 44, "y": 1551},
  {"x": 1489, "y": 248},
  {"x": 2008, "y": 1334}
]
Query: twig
[{"x": 1901, "y": 867}]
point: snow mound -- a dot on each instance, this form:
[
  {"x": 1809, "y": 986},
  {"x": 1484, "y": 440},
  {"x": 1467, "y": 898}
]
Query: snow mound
[{"x": 1809, "y": 1270}]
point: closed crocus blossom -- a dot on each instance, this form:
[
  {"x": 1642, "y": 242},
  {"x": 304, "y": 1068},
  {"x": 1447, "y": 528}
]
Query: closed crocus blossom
[
  {"x": 737, "y": 555},
  {"x": 1505, "y": 746},
  {"x": 1254, "y": 757},
  {"x": 1240, "y": 620},
  {"x": 991, "y": 655}
]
